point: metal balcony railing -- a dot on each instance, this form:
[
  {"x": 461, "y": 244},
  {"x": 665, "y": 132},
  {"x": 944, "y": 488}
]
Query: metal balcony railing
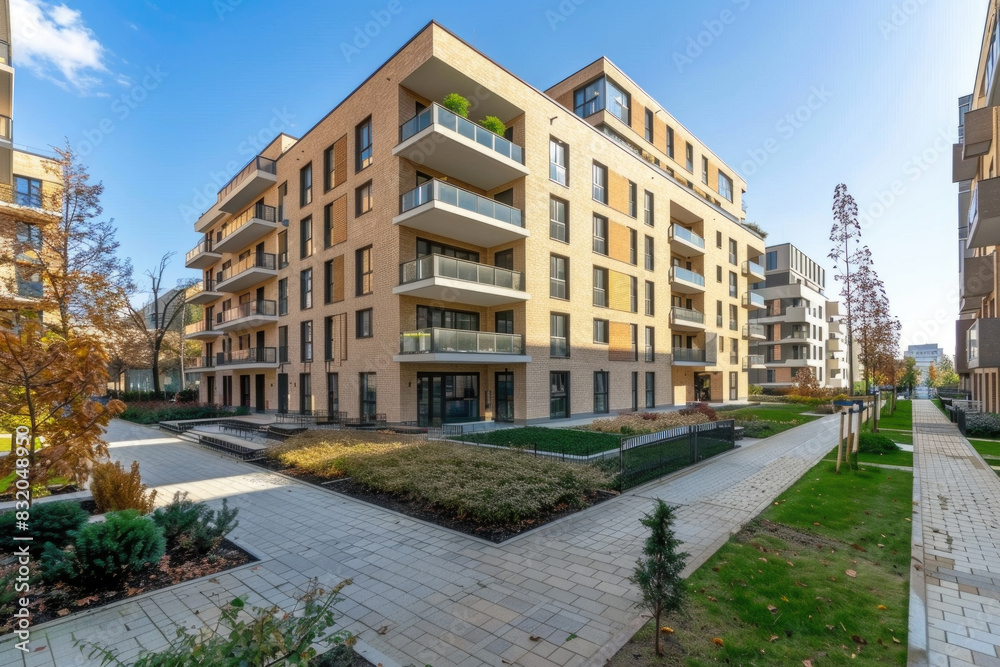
[
  {"x": 248, "y": 309},
  {"x": 253, "y": 355},
  {"x": 256, "y": 212},
  {"x": 258, "y": 163},
  {"x": 260, "y": 260},
  {"x": 204, "y": 246}
]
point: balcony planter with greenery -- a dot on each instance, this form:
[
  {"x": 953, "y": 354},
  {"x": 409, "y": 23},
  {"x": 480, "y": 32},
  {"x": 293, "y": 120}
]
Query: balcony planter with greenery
[
  {"x": 456, "y": 104},
  {"x": 494, "y": 125}
]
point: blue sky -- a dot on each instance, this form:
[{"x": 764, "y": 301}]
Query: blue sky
[{"x": 164, "y": 100}]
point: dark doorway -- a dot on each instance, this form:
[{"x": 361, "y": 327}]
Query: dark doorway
[
  {"x": 245, "y": 391},
  {"x": 259, "y": 391},
  {"x": 283, "y": 393},
  {"x": 444, "y": 398},
  {"x": 504, "y": 397},
  {"x": 702, "y": 386}
]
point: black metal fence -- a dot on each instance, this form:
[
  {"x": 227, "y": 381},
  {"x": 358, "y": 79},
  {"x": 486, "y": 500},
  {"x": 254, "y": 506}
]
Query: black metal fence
[{"x": 647, "y": 457}]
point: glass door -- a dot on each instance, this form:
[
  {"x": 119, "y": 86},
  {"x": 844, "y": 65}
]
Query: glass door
[{"x": 504, "y": 397}]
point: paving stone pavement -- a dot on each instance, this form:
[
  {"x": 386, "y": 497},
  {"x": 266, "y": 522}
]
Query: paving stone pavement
[
  {"x": 447, "y": 598},
  {"x": 957, "y": 548}
]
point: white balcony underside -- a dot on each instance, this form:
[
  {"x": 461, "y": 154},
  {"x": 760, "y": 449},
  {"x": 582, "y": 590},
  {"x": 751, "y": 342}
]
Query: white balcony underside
[
  {"x": 461, "y": 291},
  {"x": 462, "y": 358}
]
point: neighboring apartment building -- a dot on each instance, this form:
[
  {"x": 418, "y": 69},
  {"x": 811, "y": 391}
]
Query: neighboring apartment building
[
  {"x": 29, "y": 199},
  {"x": 400, "y": 259},
  {"x": 925, "y": 355},
  {"x": 975, "y": 161},
  {"x": 799, "y": 328}
]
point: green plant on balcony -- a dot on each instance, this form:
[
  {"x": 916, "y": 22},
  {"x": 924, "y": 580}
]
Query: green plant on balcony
[
  {"x": 493, "y": 124},
  {"x": 456, "y": 104}
]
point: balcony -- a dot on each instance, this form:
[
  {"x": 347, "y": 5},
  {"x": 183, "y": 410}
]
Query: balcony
[
  {"x": 983, "y": 344},
  {"x": 753, "y": 301},
  {"x": 977, "y": 278},
  {"x": 684, "y": 242},
  {"x": 203, "y": 330},
  {"x": 978, "y": 134},
  {"x": 6, "y": 130},
  {"x": 984, "y": 214},
  {"x": 833, "y": 345},
  {"x": 442, "y": 209},
  {"x": 688, "y": 356},
  {"x": 455, "y": 346},
  {"x": 250, "y": 358},
  {"x": 686, "y": 319},
  {"x": 202, "y": 256},
  {"x": 450, "y": 144},
  {"x": 753, "y": 361},
  {"x": 202, "y": 293},
  {"x": 754, "y": 332},
  {"x": 970, "y": 304},
  {"x": 250, "y": 183},
  {"x": 30, "y": 289},
  {"x": 753, "y": 270},
  {"x": 686, "y": 281},
  {"x": 444, "y": 278},
  {"x": 256, "y": 268},
  {"x": 248, "y": 315},
  {"x": 962, "y": 169},
  {"x": 250, "y": 226}
]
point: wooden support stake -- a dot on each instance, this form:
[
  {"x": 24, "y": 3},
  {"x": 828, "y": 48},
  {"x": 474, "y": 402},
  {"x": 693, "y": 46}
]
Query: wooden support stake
[
  {"x": 850, "y": 431},
  {"x": 840, "y": 442}
]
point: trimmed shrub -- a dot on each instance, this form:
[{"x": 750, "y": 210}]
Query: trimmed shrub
[
  {"x": 876, "y": 443},
  {"x": 187, "y": 396},
  {"x": 50, "y": 522},
  {"x": 194, "y": 528},
  {"x": 115, "y": 490},
  {"x": 456, "y": 103},
  {"x": 494, "y": 125},
  {"x": 757, "y": 428},
  {"x": 755, "y": 390},
  {"x": 982, "y": 424},
  {"x": 156, "y": 412}
]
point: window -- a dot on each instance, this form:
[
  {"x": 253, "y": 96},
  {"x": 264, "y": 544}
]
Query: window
[
  {"x": 328, "y": 338},
  {"x": 559, "y": 162},
  {"x": 282, "y": 193},
  {"x": 559, "y": 395},
  {"x": 670, "y": 142},
  {"x": 634, "y": 328},
  {"x": 601, "y": 381},
  {"x": 633, "y": 247},
  {"x": 282, "y": 249},
  {"x": 633, "y": 293},
  {"x": 504, "y": 259},
  {"x": 328, "y": 281},
  {"x": 600, "y": 287},
  {"x": 633, "y": 199},
  {"x": 650, "y": 344},
  {"x": 648, "y": 215},
  {"x": 600, "y": 234},
  {"x": 306, "y": 289},
  {"x": 363, "y": 272},
  {"x": 306, "y": 337},
  {"x": 734, "y": 315},
  {"x": 649, "y": 125},
  {"x": 366, "y": 381},
  {"x": 283, "y": 345},
  {"x": 363, "y": 323},
  {"x": 425, "y": 247},
  {"x": 733, "y": 290},
  {"x": 770, "y": 375},
  {"x": 306, "y": 185},
  {"x": 718, "y": 239},
  {"x": 504, "y": 321},
  {"x": 689, "y": 157},
  {"x": 328, "y": 225},
  {"x": 600, "y": 183},
  {"x": 306, "y": 237},
  {"x": 601, "y": 331},
  {"x": 28, "y": 191},
  {"x": 650, "y": 390},
  {"x": 363, "y": 199},
  {"x": 305, "y": 394},
  {"x": 587, "y": 100},
  {"x": 650, "y": 301},
  {"x": 718, "y": 313},
  {"x": 558, "y": 277},
  {"x": 650, "y": 261},
  {"x": 333, "y": 393},
  {"x": 734, "y": 386},
  {"x": 329, "y": 167},
  {"x": 704, "y": 170},
  {"x": 558, "y": 217},
  {"x": 29, "y": 235},
  {"x": 559, "y": 335},
  {"x": 363, "y": 144},
  {"x": 733, "y": 258},
  {"x": 771, "y": 260},
  {"x": 725, "y": 187},
  {"x": 283, "y": 296},
  {"x": 734, "y": 350},
  {"x": 619, "y": 102},
  {"x": 718, "y": 273}
]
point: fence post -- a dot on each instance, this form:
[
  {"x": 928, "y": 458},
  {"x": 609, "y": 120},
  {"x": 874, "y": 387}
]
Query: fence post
[
  {"x": 693, "y": 443},
  {"x": 621, "y": 463}
]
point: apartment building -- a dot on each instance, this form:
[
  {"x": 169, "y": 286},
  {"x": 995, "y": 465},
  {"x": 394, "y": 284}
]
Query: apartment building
[
  {"x": 975, "y": 159},
  {"x": 29, "y": 195},
  {"x": 798, "y": 327},
  {"x": 401, "y": 259}
]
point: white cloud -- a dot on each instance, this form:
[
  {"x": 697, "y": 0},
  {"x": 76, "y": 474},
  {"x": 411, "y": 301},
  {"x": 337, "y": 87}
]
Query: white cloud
[{"x": 54, "y": 42}]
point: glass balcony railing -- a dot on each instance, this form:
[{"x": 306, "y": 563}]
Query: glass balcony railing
[
  {"x": 678, "y": 232},
  {"x": 754, "y": 330},
  {"x": 31, "y": 289},
  {"x": 687, "y": 315},
  {"x": 448, "y": 194},
  {"x": 6, "y": 128},
  {"x": 4, "y": 53},
  {"x": 257, "y": 211},
  {"x": 260, "y": 260},
  {"x": 441, "y": 266},
  {"x": 248, "y": 309},
  {"x": 253, "y": 355},
  {"x": 689, "y": 354},
  {"x": 259, "y": 163},
  {"x": 438, "y": 115},
  {"x": 680, "y": 273},
  {"x": 753, "y": 267},
  {"x": 425, "y": 341},
  {"x": 199, "y": 287},
  {"x": 753, "y": 299},
  {"x": 753, "y": 360},
  {"x": 204, "y": 246}
]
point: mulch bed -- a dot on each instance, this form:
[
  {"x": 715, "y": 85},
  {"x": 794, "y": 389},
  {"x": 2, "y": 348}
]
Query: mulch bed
[{"x": 51, "y": 602}]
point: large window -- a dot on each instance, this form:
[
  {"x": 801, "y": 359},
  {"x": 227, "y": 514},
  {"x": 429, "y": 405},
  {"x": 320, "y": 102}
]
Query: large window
[
  {"x": 633, "y": 247},
  {"x": 363, "y": 271},
  {"x": 619, "y": 102},
  {"x": 282, "y": 345},
  {"x": 601, "y": 381},
  {"x": 650, "y": 300},
  {"x": 369, "y": 406},
  {"x": 558, "y": 162},
  {"x": 306, "y": 289},
  {"x": 306, "y": 185},
  {"x": 650, "y": 390},
  {"x": 28, "y": 191},
  {"x": 559, "y": 336},
  {"x": 559, "y": 395},
  {"x": 504, "y": 322},
  {"x": 425, "y": 247},
  {"x": 328, "y": 225},
  {"x": 306, "y": 339},
  {"x": 363, "y": 199},
  {"x": 600, "y": 183},
  {"x": 444, "y": 318},
  {"x": 329, "y": 282},
  {"x": 559, "y": 277},
  {"x": 305, "y": 394},
  {"x": 363, "y": 324},
  {"x": 650, "y": 344},
  {"x": 600, "y": 287},
  {"x": 600, "y": 234},
  {"x": 733, "y": 289},
  {"x": 282, "y": 249},
  {"x": 589, "y": 99},
  {"x": 559, "y": 219},
  {"x": 648, "y": 211},
  {"x": 650, "y": 260},
  {"x": 306, "y": 237},
  {"x": 771, "y": 260},
  {"x": 29, "y": 236},
  {"x": 283, "y": 296},
  {"x": 725, "y": 187},
  {"x": 601, "y": 331},
  {"x": 363, "y": 144},
  {"x": 332, "y": 394},
  {"x": 733, "y": 252}
]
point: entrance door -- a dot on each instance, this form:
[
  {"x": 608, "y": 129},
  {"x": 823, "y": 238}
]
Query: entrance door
[
  {"x": 259, "y": 391},
  {"x": 283, "y": 393},
  {"x": 245, "y": 391},
  {"x": 703, "y": 386},
  {"x": 444, "y": 398},
  {"x": 210, "y": 389},
  {"x": 227, "y": 390},
  {"x": 504, "y": 397}
]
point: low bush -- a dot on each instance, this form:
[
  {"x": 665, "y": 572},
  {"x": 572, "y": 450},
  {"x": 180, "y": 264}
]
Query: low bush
[
  {"x": 755, "y": 390},
  {"x": 560, "y": 440},
  {"x": 115, "y": 489},
  {"x": 106, "y": 553},
  {"x": 638, "y": 423},
  {"x": 758, "y": 428},
  {"x": 701, "y": 408},
  {"x": 156, "y": 412},
  {"x": 982, "y": 425},
  {"x": 50, "y": 522},
  {"x": 457, "y": 104},
  {"x": 187, "y": 396},
  {"x": 194, "y": 528},
  {"x": 494, "y": 125},
  {"x": 876, "y": 443}
]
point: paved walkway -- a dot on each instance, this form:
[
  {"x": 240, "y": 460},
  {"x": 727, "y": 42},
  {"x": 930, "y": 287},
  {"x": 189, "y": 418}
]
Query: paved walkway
[
  {"x": 446, "y": 598},
  {"x": 955, "y": 578}
]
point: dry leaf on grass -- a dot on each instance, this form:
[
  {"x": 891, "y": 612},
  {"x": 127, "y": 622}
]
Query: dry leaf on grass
[
  {"x": 717, "y": 641},
  {"x": 851, "y": 573}
]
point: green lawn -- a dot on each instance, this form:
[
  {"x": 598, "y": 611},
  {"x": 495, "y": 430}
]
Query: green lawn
[
  {"x": 899, "y": 458},
  {"x": 986, "y": 447},
  {"x": 901, "y": 419},
  {"x": 559, "y": 440},
  {"x": 902, "y": 437},
  {"x": 821, "y": 575},
  {"x": 767, "y": 419}
]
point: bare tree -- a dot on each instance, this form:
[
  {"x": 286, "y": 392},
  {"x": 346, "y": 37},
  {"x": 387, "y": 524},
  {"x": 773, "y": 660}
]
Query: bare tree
[{"x": 846, "y": 229}]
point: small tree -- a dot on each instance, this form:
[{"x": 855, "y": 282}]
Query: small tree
[
  {"x": 911, "y": 374},
  {"x": 658, "y": 575},
  {"x": 806, "y": 384},
  {"x": 932, "y": 376},
  {"x": 457, "y": 104}
]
